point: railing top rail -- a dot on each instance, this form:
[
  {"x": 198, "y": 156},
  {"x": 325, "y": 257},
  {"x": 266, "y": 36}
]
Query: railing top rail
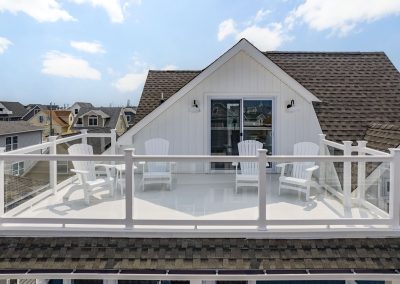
[
  {"x": 205, "y": 158},
  {"x": 29, "y": 149},
  {"x": 333, "y": 144},
  {"x": 70, "y": 138}
]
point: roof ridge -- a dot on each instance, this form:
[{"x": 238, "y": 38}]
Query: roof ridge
[
  {"x": 324, "y": 52},
  {"x": 175, "y": 71}
]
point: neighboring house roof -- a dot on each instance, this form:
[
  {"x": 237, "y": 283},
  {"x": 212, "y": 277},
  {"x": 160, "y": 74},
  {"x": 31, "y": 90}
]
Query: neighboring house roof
[
  {"x": 12, "y": 127},
  {"x": 59, "y": 116},
  {"x": 110, "y": 123},
  {"x": 382, "y": 136},
  {"x": 17, "y": 108},
  {"x": 83, "y": 104},
  {"x": 355, "y": 88},
  {"x": 157, "y": 255}
]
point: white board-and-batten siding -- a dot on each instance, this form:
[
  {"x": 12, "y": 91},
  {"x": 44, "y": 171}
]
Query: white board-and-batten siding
[{"x": 241, "y": 76}]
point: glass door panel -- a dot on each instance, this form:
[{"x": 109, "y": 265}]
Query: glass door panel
[
  {"x": 257, "y": 122},
  {"x": 225, "y": 130}
]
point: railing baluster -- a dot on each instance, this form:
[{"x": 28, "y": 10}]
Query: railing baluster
[
  {"x": 322, "y": 168},
  {"x": 53, "y": 164},
  {"x": 347, "y": 176},
  {"x": 262, "y": 189},
  {"x": 129, "y": 187},
  {"x": 394, "y": 202},
  {"x": 361, "y": 172},
  {"x": 2, "y": 183}
]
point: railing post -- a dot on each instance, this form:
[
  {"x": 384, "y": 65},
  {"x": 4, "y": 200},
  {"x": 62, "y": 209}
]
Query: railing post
[
  {"x": 361, "y": 171},
  {"x": 53, "y": 164},
  {"x": 394, "y": 202},
  {"x": 347, "y": 176},
  {"x": 84, "y": 139},
  {"x": 129, "y": 188},
  {"x": 113, "y": 148},
  {"x": 322, "y": 167},
  {"x": 262, "y": 189},
  {"x": 2, "y": 183}
]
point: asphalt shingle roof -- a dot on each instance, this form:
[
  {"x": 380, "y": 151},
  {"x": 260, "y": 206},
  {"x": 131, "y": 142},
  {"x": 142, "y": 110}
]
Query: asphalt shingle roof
[
  {"x": 198, "y": 253},
  {"x": 9, "y": 127},
  {"x": 356, "y": 88},
  {"x": 157, "y": 82},
  {"x": 17, "y": 108}
]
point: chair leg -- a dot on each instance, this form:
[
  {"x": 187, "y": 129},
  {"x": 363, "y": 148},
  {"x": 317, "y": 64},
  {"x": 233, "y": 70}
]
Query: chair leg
[
  {"x": 308, "y": 192},
  {"x": 279, "y": 188},
  {"x": 86, "y": 195}
]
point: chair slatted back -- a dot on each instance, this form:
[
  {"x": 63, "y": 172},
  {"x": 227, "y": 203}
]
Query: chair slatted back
[
  {"x": 157, "y": 146},
  {"x": 303, "y": 149},
  {"x": 249, "y": 148},
  {"x": 83, "y": 149}
]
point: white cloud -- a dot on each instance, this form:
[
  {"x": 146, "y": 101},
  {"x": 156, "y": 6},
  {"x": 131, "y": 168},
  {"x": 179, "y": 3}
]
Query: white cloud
[
  {"x": 4, "y": 43},
  {"x": 90, "y": 47},
  {"x": 226, "y": 28},
  {"x": 65, "y": 65},
  {"x": 114, "y": 8},
  {"x": 130, "y": 82},
  {"x": 170, "y": 67},
  {"x": 341, "y": 16},
  {"x": 259, "y": 17},
  {"x": 40, "y": 10},
  {"x": 264, "y": 38}
]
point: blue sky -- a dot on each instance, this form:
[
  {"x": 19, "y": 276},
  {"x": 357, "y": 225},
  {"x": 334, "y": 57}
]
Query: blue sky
[{"x": 100, "y": 50}]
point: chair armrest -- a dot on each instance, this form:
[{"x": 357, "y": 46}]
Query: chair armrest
[
  {"x": 107, "y": 166},
  {"x": 79, "y": 172},
  {"x": 142, "y": 162},
  {"x": 235, "y": 164},
  {"x": 312, "y": 169}
]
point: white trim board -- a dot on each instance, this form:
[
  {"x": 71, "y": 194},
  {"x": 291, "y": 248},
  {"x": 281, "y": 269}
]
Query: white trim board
[{"x": 242, "y": 45}]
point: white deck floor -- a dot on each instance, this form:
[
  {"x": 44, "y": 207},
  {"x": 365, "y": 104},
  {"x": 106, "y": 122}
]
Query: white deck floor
[{"x": 196, "y": 196}]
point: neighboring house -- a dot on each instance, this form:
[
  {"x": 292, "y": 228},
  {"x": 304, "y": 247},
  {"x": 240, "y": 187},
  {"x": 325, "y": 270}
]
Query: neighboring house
[
  {"x": 130, "y": 112},
  {"x": 101, "y": 120},
  {"x": 77, "y": 106},
  {"x": 60, "y": 119},
  {"x": 33, "y": 109},
  {"x": 11, "y": 111},
  {"x": 18, "y": 134}
]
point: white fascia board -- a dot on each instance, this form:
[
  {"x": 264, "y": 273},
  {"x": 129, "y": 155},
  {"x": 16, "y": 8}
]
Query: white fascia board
[{"x": 242, "y": 45}]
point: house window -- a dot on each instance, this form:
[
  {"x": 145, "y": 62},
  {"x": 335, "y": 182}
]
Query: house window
[
  {"x": 93, "y": 120},
  {"x": 128, "y": 117},
  {"x": 76, "y": 111},
  {"x": 17, "y": 168},
  {"x": 36, "y": 111},
  {"x": 41, "y": 119},
  {"x": 11, "y": 143}
]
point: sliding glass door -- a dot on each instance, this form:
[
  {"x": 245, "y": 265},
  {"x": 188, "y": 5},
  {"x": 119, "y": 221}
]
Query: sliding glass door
[{"x": 236, "y": 120}]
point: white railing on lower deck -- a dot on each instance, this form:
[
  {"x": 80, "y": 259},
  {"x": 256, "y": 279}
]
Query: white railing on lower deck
[{"x": 262, "y": 222}]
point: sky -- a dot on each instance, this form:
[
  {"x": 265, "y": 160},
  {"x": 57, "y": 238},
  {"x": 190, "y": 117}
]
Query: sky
[{"x": 100, "y": 51}]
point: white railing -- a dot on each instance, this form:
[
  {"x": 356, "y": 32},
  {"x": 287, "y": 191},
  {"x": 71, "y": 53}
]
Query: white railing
[
  {"x": 261, "y": 223},
  {"x": 51, "y": 147}
]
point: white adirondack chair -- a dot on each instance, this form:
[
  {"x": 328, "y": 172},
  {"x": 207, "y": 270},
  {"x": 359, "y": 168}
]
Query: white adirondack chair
[
  {"x": 301, "y": 177},
  {"x": 248, "y": 175},
  {"x": 156, "y": 172},
  {"x": 86, "y": 171}
]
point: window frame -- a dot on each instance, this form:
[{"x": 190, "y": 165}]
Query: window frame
[
  {"x": 11, "y": 143},
  {"x": 91, "y": 118}
]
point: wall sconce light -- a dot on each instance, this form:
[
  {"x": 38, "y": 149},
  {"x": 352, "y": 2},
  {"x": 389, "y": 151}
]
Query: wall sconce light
[
  {"x": 290, "y": 107},
  {"x": 195, "y": 106}
]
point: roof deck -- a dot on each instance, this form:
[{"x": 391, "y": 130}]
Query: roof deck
[
  {"x": 195, "y": 197},
  {"x": 206, "y": 201}
]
